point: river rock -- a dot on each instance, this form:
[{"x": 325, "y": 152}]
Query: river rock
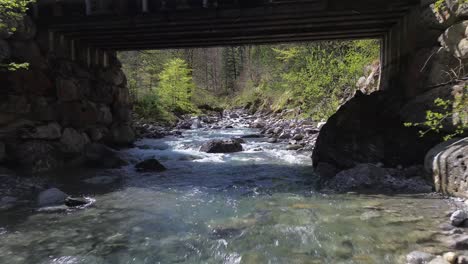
[
  {"x": 75, "y": 201},
  {"x": 439, "y": 260},
  {"x": 298, "y": 137},
  {"x": 150, "y": 165},
  {"x": 238, "y": 140},
  {"x": 458, "y": 217},
  {"x": 100, "y": 156},
  {"x": 221, "y": 146},
  {"x": 252, "y": 136},
  {"x": 418, "y": 257},
  {"x": 273, "y": 140},
  {"x": 51, "y": 197},
  {"x": 234, "y": 115},
  {"x": 450, "y": 257},
  {"x": 294, "y": 147},
  {"x": 370, "y": 178},
  {"x": 446, "y": 163},
  {"x": 462, "y": 260},
  {"x": 458, "y": 242}
]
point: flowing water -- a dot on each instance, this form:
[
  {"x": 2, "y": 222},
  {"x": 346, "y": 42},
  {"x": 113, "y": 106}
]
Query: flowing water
[{"x": 257, "y": 206}]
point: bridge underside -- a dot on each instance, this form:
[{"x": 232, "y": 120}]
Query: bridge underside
[{"x": 147, "y": 24}]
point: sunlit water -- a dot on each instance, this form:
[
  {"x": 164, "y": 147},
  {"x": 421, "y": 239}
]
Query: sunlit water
[{"x": 257, "y": 206}]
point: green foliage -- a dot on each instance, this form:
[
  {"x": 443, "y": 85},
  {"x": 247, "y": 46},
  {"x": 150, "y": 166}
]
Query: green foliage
[
  {"x": 455, "y": 110},
  {"x": 439, "y": 5},
  {"x": 312, "y": 77},
  {"x": 176, "y": 87},
  {"x": 11, "y": 13}
]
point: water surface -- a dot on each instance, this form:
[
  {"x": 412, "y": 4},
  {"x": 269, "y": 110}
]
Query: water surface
[{"x": 257, "y": 206}]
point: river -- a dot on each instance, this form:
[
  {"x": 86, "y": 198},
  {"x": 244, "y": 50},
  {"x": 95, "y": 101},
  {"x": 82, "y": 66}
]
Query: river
[{"x": 253, "y": 207}]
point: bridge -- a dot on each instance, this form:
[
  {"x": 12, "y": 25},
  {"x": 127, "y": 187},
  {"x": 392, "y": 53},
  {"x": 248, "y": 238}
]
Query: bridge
[{"x": 75, "y": 91}]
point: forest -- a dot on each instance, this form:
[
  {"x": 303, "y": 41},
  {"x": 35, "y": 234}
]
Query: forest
[{"x": 312, "y": 79}]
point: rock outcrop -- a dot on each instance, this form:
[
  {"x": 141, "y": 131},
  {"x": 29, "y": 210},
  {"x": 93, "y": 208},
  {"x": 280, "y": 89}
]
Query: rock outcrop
[
  {"x": 368, "y": 129},
  {"x": 448, "y": 165},
  {"x": 50, "y": 112}
]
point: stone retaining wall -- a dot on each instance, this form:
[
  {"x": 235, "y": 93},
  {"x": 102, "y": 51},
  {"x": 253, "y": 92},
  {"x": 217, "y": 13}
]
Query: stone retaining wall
[{"x": 50, "y": 112}]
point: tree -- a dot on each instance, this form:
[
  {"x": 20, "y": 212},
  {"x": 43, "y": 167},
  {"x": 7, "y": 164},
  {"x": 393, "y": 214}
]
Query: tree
[
  {"x": 176, "y": 86},
  {"x": 11, "y": 13}
]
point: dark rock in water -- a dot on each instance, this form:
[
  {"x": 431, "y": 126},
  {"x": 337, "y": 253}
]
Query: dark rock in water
[
  {"x": 221, "y": 146},
  {"x": 272, "y": 140},
  {"x": 228, "y": 127},
  {"x": 184, "y": 125},
  {"x": 100, "y": 156},
  {"x": 150, "y": 165},
  {"x": 294, "y": 147},
  {"x": 75, "y": 201},
  {"x": 369, "y": 178},
  {"x": 226, "y": 233},
  {"x": 238, "y": 140},
  {"x": 51, "y": 197},
  {"x": 252, "y": 136},
  {"x": 368, "y": 129},
  {"x": 298, "y": 137}
]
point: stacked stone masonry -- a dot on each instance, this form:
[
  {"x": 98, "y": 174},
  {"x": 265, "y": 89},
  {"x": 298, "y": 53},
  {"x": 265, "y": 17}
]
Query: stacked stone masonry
[{"x": 51, "y": 111}]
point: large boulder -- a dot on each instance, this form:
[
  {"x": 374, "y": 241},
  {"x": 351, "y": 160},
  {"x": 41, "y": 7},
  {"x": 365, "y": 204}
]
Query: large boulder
[
  {"x": 150, "y": 165},
  {"x": 100, "y": 156},
  {"x": 368, "y": 129},
  {"x": 447, "y": 163},
  {"x": 221, "y": 146}
]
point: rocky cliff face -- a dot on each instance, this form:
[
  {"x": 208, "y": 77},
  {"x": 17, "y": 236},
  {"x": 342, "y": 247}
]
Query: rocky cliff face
[
  {"x": 52, "y": 111},
  {"x": 370, "y": 128}
]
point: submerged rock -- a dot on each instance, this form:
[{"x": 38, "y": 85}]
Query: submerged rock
[
  {"x": 51, "y": 197},
  {"x": 418, "y": 257},
  {"x": 150, "y": 165},
  {"x": 75, "y": 201},
  {"x": 221, "y": 146},
  {"x": 371, "y": 179},
  {"x": 100, "y": 156}
]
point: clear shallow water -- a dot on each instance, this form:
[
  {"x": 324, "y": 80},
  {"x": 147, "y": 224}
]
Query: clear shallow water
[{"x": 253, "y": 207}]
